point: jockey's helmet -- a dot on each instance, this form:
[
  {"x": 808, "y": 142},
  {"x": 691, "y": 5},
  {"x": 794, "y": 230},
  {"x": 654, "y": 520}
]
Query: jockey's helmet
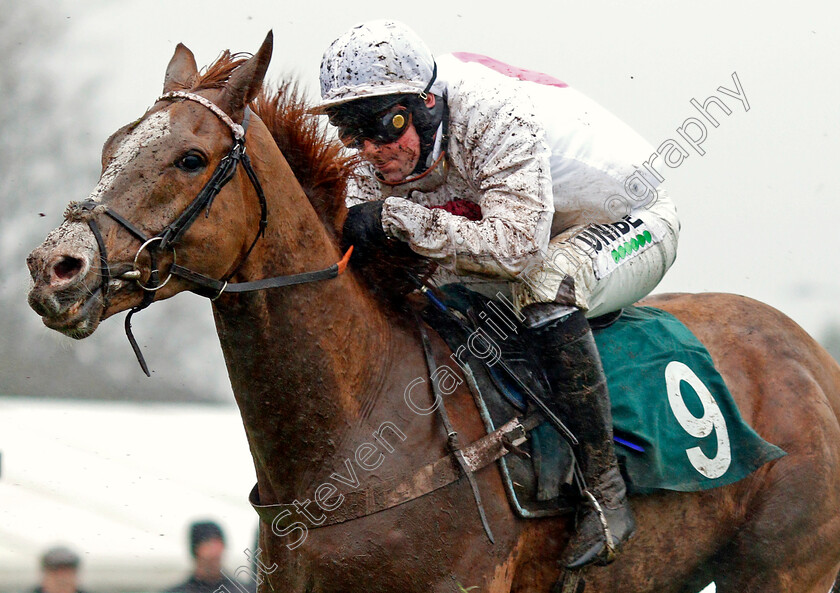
[{"x": 375, "y": 59}]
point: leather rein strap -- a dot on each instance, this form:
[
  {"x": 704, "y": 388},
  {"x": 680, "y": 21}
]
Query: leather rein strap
[{"x": 170, "y": 236}]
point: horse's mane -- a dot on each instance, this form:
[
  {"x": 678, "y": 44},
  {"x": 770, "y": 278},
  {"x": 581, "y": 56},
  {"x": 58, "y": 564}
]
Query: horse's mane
[
  {"x": 318, "y": 161},
  {"x": 322, "y": 168},
  {"x": 217, "y": 74}
]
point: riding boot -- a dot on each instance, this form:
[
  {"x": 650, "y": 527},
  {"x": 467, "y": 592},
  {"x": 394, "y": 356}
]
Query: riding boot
[{"x": 567, "y": 351}]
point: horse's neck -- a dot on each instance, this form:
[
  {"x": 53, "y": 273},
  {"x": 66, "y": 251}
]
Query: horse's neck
[
  {"x": 301, "y": 367},
  {"x": 307, "y": 361}
]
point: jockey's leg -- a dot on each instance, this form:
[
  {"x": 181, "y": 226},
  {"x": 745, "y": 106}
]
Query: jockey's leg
[
  {"x": 568, "y": 353},
  {"x": 601, "y": 268},
  {"x": 596, "y": 268}
]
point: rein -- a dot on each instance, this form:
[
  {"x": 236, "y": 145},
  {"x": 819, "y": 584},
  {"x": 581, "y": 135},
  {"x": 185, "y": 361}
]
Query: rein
[{"x": 172, "y": 233}]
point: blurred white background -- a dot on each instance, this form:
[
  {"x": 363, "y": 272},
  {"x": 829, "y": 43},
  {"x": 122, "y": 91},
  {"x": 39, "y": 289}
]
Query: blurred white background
[{"x": 759, "y": 209}]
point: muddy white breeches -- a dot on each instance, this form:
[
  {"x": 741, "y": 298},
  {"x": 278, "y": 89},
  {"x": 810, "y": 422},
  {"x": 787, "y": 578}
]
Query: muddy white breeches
[{"x": 605, "y": 266}]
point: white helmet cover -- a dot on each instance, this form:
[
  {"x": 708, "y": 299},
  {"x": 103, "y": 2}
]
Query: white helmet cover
[{"x": 374, "y": 59}]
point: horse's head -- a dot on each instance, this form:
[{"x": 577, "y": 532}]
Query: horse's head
[{"x": 114, "y": 251}]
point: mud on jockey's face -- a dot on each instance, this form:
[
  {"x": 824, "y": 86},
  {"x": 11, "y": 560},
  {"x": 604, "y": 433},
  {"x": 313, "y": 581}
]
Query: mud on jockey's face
[{"x": 385, "y": 132}]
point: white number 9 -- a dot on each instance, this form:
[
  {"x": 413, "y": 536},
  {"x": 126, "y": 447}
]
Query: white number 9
[{"x": 712, "y": 419}]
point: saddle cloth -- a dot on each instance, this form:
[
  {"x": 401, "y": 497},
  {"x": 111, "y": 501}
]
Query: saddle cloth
[{"x": 676, "y": 424}]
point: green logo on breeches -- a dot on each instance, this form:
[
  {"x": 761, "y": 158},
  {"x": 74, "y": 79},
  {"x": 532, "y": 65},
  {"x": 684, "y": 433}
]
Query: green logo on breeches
[{"x": 630, "y": 246}]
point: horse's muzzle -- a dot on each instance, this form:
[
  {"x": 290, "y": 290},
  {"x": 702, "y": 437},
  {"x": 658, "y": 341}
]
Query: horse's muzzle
[{"x": 64, "y": 290}]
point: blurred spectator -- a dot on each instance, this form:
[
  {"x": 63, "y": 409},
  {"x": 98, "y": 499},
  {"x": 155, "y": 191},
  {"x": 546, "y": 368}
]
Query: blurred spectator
[
  {"x": 207, "y": 545},
  {"x": 60, "y": 571}
]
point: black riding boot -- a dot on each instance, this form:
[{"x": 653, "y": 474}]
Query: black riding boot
[{"x": 568, "y": 353}]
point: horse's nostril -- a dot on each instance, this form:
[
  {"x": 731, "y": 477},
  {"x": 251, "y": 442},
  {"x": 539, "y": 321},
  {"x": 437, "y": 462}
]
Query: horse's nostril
[{"x": 67, "y": 267}]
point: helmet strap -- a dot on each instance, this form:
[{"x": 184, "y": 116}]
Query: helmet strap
[
  {"x": 425, "y": 93},
  {"x": 427, "y": 121}
]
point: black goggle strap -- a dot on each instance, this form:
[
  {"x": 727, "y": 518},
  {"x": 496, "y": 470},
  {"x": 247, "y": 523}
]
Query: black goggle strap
[
  {"x": 390, "y": 127},
  {"x": 385, "y": 129}
]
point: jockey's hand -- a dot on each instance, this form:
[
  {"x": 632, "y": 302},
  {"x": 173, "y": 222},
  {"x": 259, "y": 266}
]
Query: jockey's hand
[
  {"x": 363, "y": 229},
  {"x": 387, "y": 264}
]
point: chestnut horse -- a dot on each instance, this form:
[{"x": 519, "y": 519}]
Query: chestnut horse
[{"x": 320, "y": 371}]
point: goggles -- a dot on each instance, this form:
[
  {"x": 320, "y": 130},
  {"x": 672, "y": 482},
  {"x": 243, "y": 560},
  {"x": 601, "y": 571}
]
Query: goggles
[{"x": 383, "y": 128}]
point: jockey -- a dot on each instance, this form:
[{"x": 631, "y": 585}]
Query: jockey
[{"x": 505, "y": 175}]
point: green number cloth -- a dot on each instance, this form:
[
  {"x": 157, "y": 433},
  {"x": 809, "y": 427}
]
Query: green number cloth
[{"x": 668, "y": 398}]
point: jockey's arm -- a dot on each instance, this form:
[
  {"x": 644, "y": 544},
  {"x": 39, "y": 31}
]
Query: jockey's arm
[{"x": 500, "y": 151}]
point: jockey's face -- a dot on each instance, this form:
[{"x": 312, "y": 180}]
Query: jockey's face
[
  {"x": 392, "y": 149},
  {"x": 396, "y": 160}
]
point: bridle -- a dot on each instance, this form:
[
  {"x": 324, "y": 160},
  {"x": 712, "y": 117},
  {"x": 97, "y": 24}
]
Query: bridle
[{"x": 172, "y": 233}]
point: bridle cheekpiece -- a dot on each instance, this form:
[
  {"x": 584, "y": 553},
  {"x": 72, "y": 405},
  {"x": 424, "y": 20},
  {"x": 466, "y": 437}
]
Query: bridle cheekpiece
[{"x": 175, "y": 230}]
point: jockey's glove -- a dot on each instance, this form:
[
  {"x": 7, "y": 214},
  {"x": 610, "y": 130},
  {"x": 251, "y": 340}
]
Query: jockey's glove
[
  {"x": 388, "y": 265},
  {"x": 363, "y": 229}
]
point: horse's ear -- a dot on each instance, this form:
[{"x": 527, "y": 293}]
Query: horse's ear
[
  {"x": 246, "y": 81},
  {"x": 182, "y": 70}
]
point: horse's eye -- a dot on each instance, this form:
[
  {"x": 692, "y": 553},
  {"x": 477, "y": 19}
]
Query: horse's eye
[{"x": 191, "y": 162}]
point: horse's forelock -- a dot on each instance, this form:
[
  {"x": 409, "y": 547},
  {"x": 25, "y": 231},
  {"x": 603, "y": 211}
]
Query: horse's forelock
[{"x": 217, "y": 74}]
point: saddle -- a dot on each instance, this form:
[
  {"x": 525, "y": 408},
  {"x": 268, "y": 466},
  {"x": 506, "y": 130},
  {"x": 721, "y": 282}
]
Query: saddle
[
  {"x": 494, "y": 352},
  {"x": 660, "y": 377}
]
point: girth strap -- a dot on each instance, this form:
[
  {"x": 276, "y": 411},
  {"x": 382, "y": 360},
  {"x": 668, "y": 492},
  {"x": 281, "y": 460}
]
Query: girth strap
[
  {"x": 411, "y": 485},
  {"x": 407, "y": 486}
]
